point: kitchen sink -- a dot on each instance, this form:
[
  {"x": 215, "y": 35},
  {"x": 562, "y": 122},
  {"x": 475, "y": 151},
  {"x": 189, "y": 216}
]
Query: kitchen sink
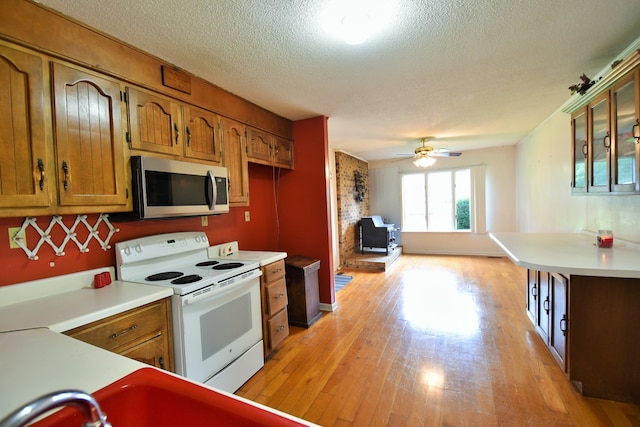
[{"x": 150, "y": 397}]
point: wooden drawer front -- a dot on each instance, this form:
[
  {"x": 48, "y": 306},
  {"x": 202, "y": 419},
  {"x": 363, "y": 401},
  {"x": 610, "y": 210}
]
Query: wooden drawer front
[
  {"x": 138, "y": 324},
  {"x": 273, "y": 271},
  {"x": 278, "y": 328},
  {"x": 276, "y": 296}
]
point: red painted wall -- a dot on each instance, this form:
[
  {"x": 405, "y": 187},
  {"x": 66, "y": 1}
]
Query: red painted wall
[
  {"x": 258, "y": 234},
  {"x": 300, "y": 227},
  {"x": 304, "y": 202}
]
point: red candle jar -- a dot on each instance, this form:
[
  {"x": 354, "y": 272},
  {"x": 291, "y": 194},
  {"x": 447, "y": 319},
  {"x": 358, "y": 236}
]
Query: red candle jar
[{"x": 604, "y": 238}]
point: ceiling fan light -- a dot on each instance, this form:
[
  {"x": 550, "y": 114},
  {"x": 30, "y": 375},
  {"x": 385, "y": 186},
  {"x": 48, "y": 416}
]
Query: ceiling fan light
[{"x": 424, "y": 161}]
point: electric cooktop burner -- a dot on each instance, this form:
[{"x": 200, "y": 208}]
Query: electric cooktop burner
[
  {"x": 163, "y": 276},
  {"x": 228, "y": 266},
  {"x": 207, "y": 263},
  {"x": 190, "y": 278}
]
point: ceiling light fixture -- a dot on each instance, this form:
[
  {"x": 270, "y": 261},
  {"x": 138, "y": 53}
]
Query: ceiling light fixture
[
  {"x": 424, "y": 161},
  {"x": 354, "y": 21}
]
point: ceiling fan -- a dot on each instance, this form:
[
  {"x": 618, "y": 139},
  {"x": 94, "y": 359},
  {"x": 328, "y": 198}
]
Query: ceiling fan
[{"x": 424, "y": 156}]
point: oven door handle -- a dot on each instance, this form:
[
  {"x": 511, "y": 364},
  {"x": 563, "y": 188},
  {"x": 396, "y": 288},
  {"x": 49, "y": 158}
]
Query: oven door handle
[{"x": 211, "y": 191}]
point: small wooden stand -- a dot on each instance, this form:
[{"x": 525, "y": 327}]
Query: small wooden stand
[{"x": 302, "y": 290}]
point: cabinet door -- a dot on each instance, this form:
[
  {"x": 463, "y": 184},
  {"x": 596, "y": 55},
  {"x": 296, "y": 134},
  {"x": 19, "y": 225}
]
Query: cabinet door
[
  {"x": 153, "y": 352},
  {"x": 579, "y": 152},
  {"x": 544, "y": 305},
  {"x": 201, "y": 139},
  {"x": 625, "y": 149},
  {"x": 89, "y": 139},
  {"x": 260, "y": 146},
  {"x": 235, "y": 159},
  {"x": 599, "y": 145},
  {"x": 155, "y": 123},
  {"x": 23, "y": 135},
  {"x": 559, "y": 319},
  {"x": 283, "y": 152},
  {"x": 532, "y": 295}
]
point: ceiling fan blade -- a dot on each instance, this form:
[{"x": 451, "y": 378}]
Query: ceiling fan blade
[{"x": 445, "y": 154}]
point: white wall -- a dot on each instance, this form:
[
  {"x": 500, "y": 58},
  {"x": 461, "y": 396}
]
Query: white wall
[
  {"x": 544, "y": 202},
  {"x": 500, "y": 202}
]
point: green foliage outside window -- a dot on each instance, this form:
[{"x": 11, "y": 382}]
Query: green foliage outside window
[{"x": 463, "y": 221}]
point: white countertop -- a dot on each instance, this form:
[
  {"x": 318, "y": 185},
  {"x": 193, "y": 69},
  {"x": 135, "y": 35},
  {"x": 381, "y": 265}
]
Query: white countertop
[
  {"x": 38, "y": 361},
  {"x": 71, "y": 303},
  {"x": 570, "y": 254},
  {"x": 263, "y": 257}
]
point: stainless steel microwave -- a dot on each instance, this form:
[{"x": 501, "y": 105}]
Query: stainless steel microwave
[{"x": 165, "y": 188}]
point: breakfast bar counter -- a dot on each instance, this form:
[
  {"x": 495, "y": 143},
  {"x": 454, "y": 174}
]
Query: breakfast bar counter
[{"x": 584, "y": 302}]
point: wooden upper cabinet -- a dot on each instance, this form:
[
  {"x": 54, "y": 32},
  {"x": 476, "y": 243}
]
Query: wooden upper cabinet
[
  {"x": 580, "y": 151},
  {"x": 235, "y": 160},
  {"x": 259, "y": 145},
  {"x": 283, "y": 156},
  {"x": 155, "y": 122},
  {"x": 625, "y": 115},
  {"x": 599, "y": 138},
  {"x": 268, "y": 149},
  {"x": 25, "y": 164},
  {"x": 605, "y": 124},
  {"x": 89, "y": 142},
  {"x": 202, "y": 139}
]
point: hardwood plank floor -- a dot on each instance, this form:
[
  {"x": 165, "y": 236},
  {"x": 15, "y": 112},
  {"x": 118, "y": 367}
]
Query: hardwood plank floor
[{"x": 432, "y": 341}]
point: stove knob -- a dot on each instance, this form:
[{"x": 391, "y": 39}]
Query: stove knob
[
  {"x": 138, "y": 248},
  {"x": 127, "y": 250}
]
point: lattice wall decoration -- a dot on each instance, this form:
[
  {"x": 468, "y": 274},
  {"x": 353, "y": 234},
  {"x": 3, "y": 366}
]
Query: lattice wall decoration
[{"x": 70, "y": 234}]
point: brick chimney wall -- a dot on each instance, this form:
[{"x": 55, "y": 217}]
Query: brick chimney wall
[{"x": 350, "y": 210}]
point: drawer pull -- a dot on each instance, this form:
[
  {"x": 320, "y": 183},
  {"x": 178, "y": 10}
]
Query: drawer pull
[
  {"x": 279, "y": 328},
  {"x": 124, "y": 331},
  {"x": 280, "y": 295},
  {"x": 278, "y": 270}
]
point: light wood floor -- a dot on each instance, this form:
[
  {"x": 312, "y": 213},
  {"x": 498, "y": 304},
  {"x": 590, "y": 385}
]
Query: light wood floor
[{"x": 433, "y": 341}]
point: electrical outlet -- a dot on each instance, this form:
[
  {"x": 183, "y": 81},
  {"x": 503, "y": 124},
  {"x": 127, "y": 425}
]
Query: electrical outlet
[
  {"x": 13, "y": 231},
  {"x": 247, "y": 216},
  {"x": 204, "y": 220}
]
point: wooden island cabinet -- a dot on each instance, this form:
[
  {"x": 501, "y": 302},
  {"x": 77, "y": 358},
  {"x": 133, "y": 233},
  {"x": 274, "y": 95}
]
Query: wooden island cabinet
[
  {"x": 143, "y": 333},
  {"x": 584, "y": 302}
]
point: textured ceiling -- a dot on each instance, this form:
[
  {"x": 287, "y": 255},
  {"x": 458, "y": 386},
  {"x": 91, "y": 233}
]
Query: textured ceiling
[{"x": 474, "y": 74}]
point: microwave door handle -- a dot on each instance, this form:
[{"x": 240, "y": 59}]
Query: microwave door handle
[{"x": 212, "y": 190}]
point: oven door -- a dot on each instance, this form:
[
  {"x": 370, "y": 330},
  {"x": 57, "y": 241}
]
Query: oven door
[{"x": 218, "y": 329}]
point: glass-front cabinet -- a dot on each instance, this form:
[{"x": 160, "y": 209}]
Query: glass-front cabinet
[
  {"x": 599, "y": 139},
  {"x": 605, "y": 133},
  {"x": 625, "y": 114},
  {"x": 580, "y": 151}
]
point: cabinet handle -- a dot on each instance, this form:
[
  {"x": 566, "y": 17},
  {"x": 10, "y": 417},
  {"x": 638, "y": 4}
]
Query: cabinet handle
[
  {"x": 277, "y": 270},
  {"x": 41, "y": 169},
  {"x": 279, "y": 328},
  {"x": 545, "y": 305},
  {"x": 124, "y": 331},
  {"x": 585, "y": 149},
  {"x": 65, "y": 168},
  {"x": 563, "y": 329},
  {"x": 280, "y": 295},
  {"x": 188, "y": 136},
  {"x": 606, "y": 141},
  {"x": 534, "y": 291},
  {"x": 175, "y": 128},
  {"x": 635, "y": 133},
  {"x": 161, "y": 362}
]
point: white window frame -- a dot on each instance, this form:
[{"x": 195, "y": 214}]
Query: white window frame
[{"x": 476, "y": 199}]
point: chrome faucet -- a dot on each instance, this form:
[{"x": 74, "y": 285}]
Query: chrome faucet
[{"x": 85, "y": 403}]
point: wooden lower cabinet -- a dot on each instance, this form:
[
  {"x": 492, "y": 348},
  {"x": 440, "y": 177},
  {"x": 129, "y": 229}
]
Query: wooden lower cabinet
[
  {"x": 547, "y": 309},
  {"x": 275, "y": 324},
  {"x": 591, "y": 330},
  {"x": 143, "y": 333}
]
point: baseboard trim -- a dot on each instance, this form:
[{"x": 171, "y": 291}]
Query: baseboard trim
[{"x": 328, "y": 307}]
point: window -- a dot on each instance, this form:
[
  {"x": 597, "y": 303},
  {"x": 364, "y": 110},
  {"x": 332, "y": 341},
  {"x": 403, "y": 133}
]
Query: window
[{"x": 437, "y": 201}]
